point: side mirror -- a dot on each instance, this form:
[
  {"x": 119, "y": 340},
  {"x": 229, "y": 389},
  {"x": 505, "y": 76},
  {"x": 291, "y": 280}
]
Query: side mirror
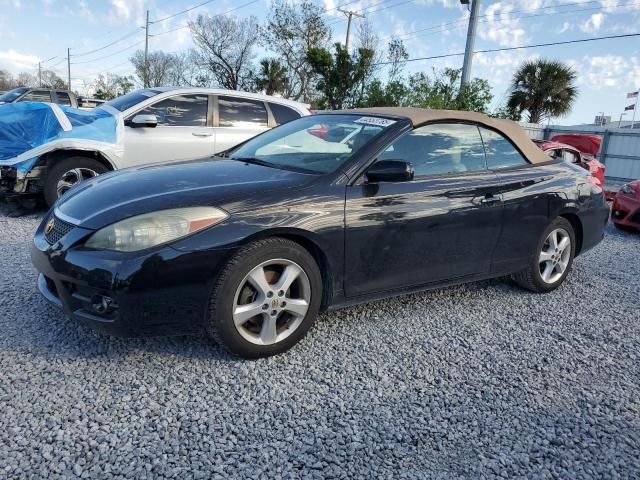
[
  {"x": 143, "y": 120},
  {"x": 390, "y": 171}
]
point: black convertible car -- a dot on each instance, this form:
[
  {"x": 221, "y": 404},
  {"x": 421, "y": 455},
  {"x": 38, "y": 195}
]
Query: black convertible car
[{"x": 321, "y": 212}]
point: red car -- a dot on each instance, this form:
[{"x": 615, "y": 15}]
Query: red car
[
  {"x": 568, "y": 153},
  {"x": 625, "y": 212}
]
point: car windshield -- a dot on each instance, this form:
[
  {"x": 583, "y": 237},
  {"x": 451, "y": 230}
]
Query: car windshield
[
  {"x": 313, "y": 144},
  {"x": 11, "y": 95},
  {"x": 130, "y": 99}
]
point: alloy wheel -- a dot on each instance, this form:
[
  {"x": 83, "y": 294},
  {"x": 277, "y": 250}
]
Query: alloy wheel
[
  {"x": 72, "y": 177},
  {"x": 555, "y": 255},
  {"x": 271, "y": 302}
]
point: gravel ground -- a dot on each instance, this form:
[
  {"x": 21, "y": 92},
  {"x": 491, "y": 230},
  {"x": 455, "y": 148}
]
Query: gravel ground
[{"x": 481, "y": 380}]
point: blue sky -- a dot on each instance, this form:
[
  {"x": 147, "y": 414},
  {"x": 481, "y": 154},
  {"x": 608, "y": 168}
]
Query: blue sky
[{"x": 36, "y": 30}]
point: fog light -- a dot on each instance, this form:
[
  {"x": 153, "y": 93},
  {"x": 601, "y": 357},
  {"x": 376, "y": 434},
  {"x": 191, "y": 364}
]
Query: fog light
[{"x": 103, "y": 305}]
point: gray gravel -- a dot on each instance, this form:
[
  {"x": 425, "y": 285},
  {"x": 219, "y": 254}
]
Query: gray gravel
[{"x": 483, "y": 380}]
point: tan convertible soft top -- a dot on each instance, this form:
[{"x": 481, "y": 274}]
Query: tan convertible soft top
[{"x": 420, "y": 116}]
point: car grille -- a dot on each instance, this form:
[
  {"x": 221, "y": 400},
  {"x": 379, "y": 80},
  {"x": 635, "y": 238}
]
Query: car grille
[{"x": 59, "y": 230}]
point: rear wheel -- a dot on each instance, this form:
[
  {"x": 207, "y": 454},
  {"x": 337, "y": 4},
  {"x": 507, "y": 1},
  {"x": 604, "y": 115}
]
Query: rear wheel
[
  {"x": 552, "y": 260},
  {"x": 64, "y": 174},
  {"x": 266, "y": 298}
]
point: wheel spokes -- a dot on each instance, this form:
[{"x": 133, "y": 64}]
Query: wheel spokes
[
  {"x": 258, "y": 279},
  {"x": 296, "y": 307},
  {"x": 242, "y": 313},
  {"x": 288, "y": 276},
  {"x": 548, "y": 270},
  {"x": 268, "y": 332}
]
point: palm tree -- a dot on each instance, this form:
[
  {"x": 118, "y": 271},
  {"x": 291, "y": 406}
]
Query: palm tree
[
  {"x": 273, "y": 76},
  {"x": 544, "y": 88}
]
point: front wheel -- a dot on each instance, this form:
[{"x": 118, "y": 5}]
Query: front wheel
[
  {"x": 552, "y": 259},
  {"x": 64, "y": 174},
  {"x": 266, "y": 298}
]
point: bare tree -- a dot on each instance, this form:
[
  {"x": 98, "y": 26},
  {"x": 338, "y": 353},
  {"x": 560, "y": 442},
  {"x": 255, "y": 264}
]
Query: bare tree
[
  {"x": 368, "y": 41},
  {"x": 159, "y": 65},
  {"x": 226, "y": 48},
  {"x": 397, "y": 56},
  {"x": 292, "y": 30},
  {"x": 6, "y": 80},
  {"x": 186, "y": 71},
  {"x": 25, "y": 79}
]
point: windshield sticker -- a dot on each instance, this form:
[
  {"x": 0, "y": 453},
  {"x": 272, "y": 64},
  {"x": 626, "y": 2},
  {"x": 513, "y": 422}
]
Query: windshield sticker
[{"x": 380, "y": 122}]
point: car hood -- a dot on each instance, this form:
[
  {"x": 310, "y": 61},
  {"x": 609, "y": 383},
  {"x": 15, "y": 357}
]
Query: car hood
[{"x": 228, "y": 184}]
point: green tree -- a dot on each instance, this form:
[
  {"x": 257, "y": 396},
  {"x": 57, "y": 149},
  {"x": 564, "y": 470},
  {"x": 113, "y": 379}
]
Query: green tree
[
  {"x": 272, "y": 77},
  {"x": 340, "y": 75},
  {"x": 442, "y": 91},
  {"x": 292, "y": 29},
  {"x": 544, "y": 89},
  {"x": 377, "y": 94},
  {"x": 111, "y": 86}
]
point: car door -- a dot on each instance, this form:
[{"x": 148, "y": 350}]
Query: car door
[
  {"x": 526, "y": 200},
  {"x": 183, "y": 132},
  {"x": 238, "y": 119},
  {"x": 441, "y": 225}
]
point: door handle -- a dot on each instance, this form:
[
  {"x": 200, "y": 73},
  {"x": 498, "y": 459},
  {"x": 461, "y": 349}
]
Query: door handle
[
  {"x": 490, "y": 199},
  {"x": 201, "y": 134}
]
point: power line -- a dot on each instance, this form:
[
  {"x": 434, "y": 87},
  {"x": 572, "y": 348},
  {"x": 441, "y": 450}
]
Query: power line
[
  {"x": 183, "y": 11},
  {"x": 110, "y": 55},
  {"x": 128, "y": 35},
  {"x": 216, "y": 15},
  {"x": 506, "y": 49},
  {"x": 368, "y": 9},
  {"x": 462, "y": 22}
]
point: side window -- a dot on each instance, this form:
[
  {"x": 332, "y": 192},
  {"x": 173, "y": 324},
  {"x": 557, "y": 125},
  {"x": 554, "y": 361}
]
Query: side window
[
  {"x": 571, "y": 157},
  {"x": 180, "y": 111},
  {"x": 283, "y": 114},
  {"x": 241, "y": 112},
  {"x": 37, "y": 96},
  {"x": 500, "y": 152},
  {"x": 440, "y": 148},
  {"x": 63, "y": 98}
]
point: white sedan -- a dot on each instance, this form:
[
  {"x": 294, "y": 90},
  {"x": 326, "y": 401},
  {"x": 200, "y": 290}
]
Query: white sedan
[{"x": 153, "y": 125}]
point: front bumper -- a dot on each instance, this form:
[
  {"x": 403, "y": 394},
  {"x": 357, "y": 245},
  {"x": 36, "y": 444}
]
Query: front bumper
[
  {"x": 625, "y": 211},
  {"x": 14, "y": 183},
  {"x": 159, "y": 291}
]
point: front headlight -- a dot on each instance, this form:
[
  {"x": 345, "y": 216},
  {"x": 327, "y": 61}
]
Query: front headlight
[
  {"x": 151, "y": 229},
  {"x": 627, "y": 188}
]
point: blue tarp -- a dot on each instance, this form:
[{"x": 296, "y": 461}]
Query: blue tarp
[{"x": 28, "y": 125}]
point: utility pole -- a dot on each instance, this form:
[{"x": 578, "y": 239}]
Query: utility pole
[
  {"x": 350, "y": 14},
  {"x": 471, "y": 40},
  {"x": 69, "y": 68},
  {"x": 146, "y": 52},
  {"x": 40, "y": 74}
]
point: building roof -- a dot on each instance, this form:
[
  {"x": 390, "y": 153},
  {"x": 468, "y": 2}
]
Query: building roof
[{"x": 422, "y": 116}]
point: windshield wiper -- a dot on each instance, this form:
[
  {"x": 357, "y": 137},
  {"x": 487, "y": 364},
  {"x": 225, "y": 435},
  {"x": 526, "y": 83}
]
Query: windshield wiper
[{"x": 255, "y": 161}]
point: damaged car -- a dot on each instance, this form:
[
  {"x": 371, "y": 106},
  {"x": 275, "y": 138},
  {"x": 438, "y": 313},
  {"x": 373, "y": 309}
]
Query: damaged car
[
  {"x": 45, "y": 149},
  {"x": 248, "y": 247}
]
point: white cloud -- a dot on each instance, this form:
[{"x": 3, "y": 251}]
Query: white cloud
[
  {"x": 566, "y": 26},
  {"x": 609, "y": 71},
  {"x": 501, "y": 26},
  {"x": 126, "y": 11},
  {"x": 593, "y": 24},
  {"x": 15, "y": 62}
]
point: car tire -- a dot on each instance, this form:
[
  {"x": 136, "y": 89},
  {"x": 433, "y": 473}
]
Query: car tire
[
  {"x": 272, "y": 325},
  {"x": 558, "y": 260},
  {"x": 62, "y": 171}
]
